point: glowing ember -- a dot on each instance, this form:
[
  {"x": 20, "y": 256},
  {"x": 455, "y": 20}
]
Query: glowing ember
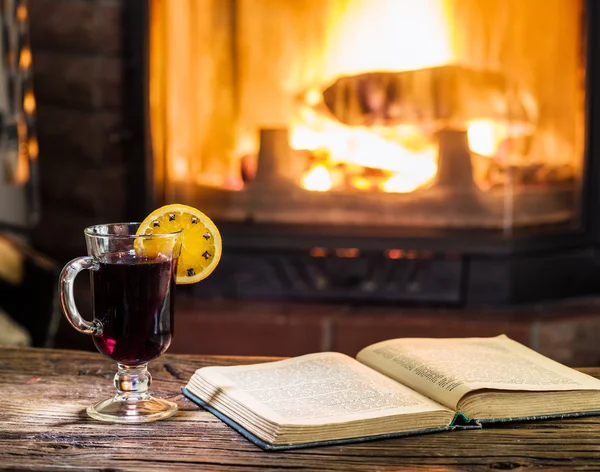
[
  {"x": 361, "y": 183},
  {"x": 400, "y": 184}
]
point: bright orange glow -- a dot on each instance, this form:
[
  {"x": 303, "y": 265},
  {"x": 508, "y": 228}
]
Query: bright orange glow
[
  {"x": 395, "y": 253},
  {"x": 21, "y": 12},
  {"x": 25, "y": 59},
  {"x": 360, "y": 146},
  {"x": 29, "y": 102},
  {"x": 317, "y": 179},
  {"x": 485, "y": 136},
  {"x": 33, "y": 148},
  {"x": 318, "y": 252},
  {"x": 387, "y": 35},
  {"x": 179, "y": 168},
  {"x": 400, "y": 183},
  {"x": 377, "y": 96},
  {"x": 312, "y": 97},
  {"x": 372, "y": 36},
  {"x": 21, "y": 174},
  {"x": 361, "y": 183},
  {"x": 347, "y": 252}
]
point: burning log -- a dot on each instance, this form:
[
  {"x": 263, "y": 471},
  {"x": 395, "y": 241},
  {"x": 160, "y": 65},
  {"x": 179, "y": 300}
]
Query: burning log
[
  {"x": 443, "y": 97},
  {"x": 452, "y": 109}
]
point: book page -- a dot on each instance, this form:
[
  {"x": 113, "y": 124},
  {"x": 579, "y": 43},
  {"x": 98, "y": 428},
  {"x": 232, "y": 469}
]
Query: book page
[
  {"x": 317, "y": 388},
  {"x": 447, "y": 369}
]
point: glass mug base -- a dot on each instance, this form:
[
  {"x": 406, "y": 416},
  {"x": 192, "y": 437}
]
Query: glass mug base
[
  {"x": 132, "y": 403},
  {"x": 119, "y": 410}
]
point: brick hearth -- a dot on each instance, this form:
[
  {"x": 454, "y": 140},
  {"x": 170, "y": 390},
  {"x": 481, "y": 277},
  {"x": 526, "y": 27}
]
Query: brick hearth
[{"x": 566, "y": 332}]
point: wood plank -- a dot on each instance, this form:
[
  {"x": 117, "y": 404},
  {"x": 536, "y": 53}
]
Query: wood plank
[{"x": 43, "y": 426}]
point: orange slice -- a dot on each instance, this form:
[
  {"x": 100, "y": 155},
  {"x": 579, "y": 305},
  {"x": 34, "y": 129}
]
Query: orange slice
[{"x": 200, "y": 245}]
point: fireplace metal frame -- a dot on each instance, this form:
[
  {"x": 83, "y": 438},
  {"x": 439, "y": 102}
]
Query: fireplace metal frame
[{"x": 449, "y": 267}]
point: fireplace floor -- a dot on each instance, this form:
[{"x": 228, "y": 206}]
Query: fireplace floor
[{"x": 432, "y": 208}]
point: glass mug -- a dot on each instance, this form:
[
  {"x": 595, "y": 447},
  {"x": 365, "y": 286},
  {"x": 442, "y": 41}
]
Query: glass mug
[{"x": 133, "y": 289}]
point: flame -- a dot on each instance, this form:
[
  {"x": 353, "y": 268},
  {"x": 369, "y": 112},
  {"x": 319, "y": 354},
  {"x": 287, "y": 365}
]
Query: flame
[
  {"x": 401, "y": 183},
  {"x": 317, "y": 179},
  {"x": 367, "y": 36},
  {"x": 363, "y": 147},
  {"x": 485, "y": 136},
  {"x": 387, "y": 35}
]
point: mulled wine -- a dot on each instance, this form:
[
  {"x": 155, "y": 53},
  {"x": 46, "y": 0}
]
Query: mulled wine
[
  {"x": 134, "y": 273},
  {"x": 133, "y": 300}
]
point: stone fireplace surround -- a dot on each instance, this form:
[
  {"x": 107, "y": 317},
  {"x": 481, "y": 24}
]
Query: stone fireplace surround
[{"x": 85, "y": 166}]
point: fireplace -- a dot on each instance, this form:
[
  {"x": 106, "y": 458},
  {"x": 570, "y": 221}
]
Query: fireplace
[
  {"x": 432, "y": 152},
  {"x": 326, "y": 112}
]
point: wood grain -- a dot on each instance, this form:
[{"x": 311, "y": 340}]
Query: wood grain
[{"x": 43, "y": 426}]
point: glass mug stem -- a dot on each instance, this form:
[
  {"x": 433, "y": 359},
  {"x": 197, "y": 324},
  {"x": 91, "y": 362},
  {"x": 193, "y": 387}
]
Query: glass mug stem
[
  {"x": 132, "y": 383},
  {"x": 67, "y": 300}
]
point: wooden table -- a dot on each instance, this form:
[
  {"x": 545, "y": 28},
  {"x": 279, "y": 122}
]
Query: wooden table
[{"x": 43, "y": 426}]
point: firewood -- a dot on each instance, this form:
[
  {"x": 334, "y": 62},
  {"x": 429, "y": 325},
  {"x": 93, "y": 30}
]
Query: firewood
[{"x": 445, "y": 97}]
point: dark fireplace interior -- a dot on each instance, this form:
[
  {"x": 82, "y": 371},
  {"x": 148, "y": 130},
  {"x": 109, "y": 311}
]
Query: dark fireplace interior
[{"x": 375, "y": 169}]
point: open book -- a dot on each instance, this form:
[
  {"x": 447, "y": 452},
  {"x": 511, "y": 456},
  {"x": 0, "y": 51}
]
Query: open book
[{"x": 392, "y": 388}]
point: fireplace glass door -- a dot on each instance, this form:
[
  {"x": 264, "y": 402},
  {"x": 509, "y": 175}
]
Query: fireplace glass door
[{"x": 401, "y": 113}]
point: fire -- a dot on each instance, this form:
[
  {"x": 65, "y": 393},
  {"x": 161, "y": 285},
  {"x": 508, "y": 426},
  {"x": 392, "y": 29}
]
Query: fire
[
  {"x": 403, "y": 169},
  {"x": 376, "y": 95},
  {"x": 485, "y": 136},
  {"x": 317, "y": 179},
  {"x": 387, "y": 35},
  {"x": 382, "y": 38},
  {"x": 368, "y": 36}
]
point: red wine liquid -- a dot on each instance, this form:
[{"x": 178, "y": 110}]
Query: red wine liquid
[{"x": 134, "y": 299}]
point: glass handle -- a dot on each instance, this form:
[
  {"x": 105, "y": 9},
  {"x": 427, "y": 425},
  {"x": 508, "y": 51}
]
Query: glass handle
[{"x": 67, "y": 301}]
